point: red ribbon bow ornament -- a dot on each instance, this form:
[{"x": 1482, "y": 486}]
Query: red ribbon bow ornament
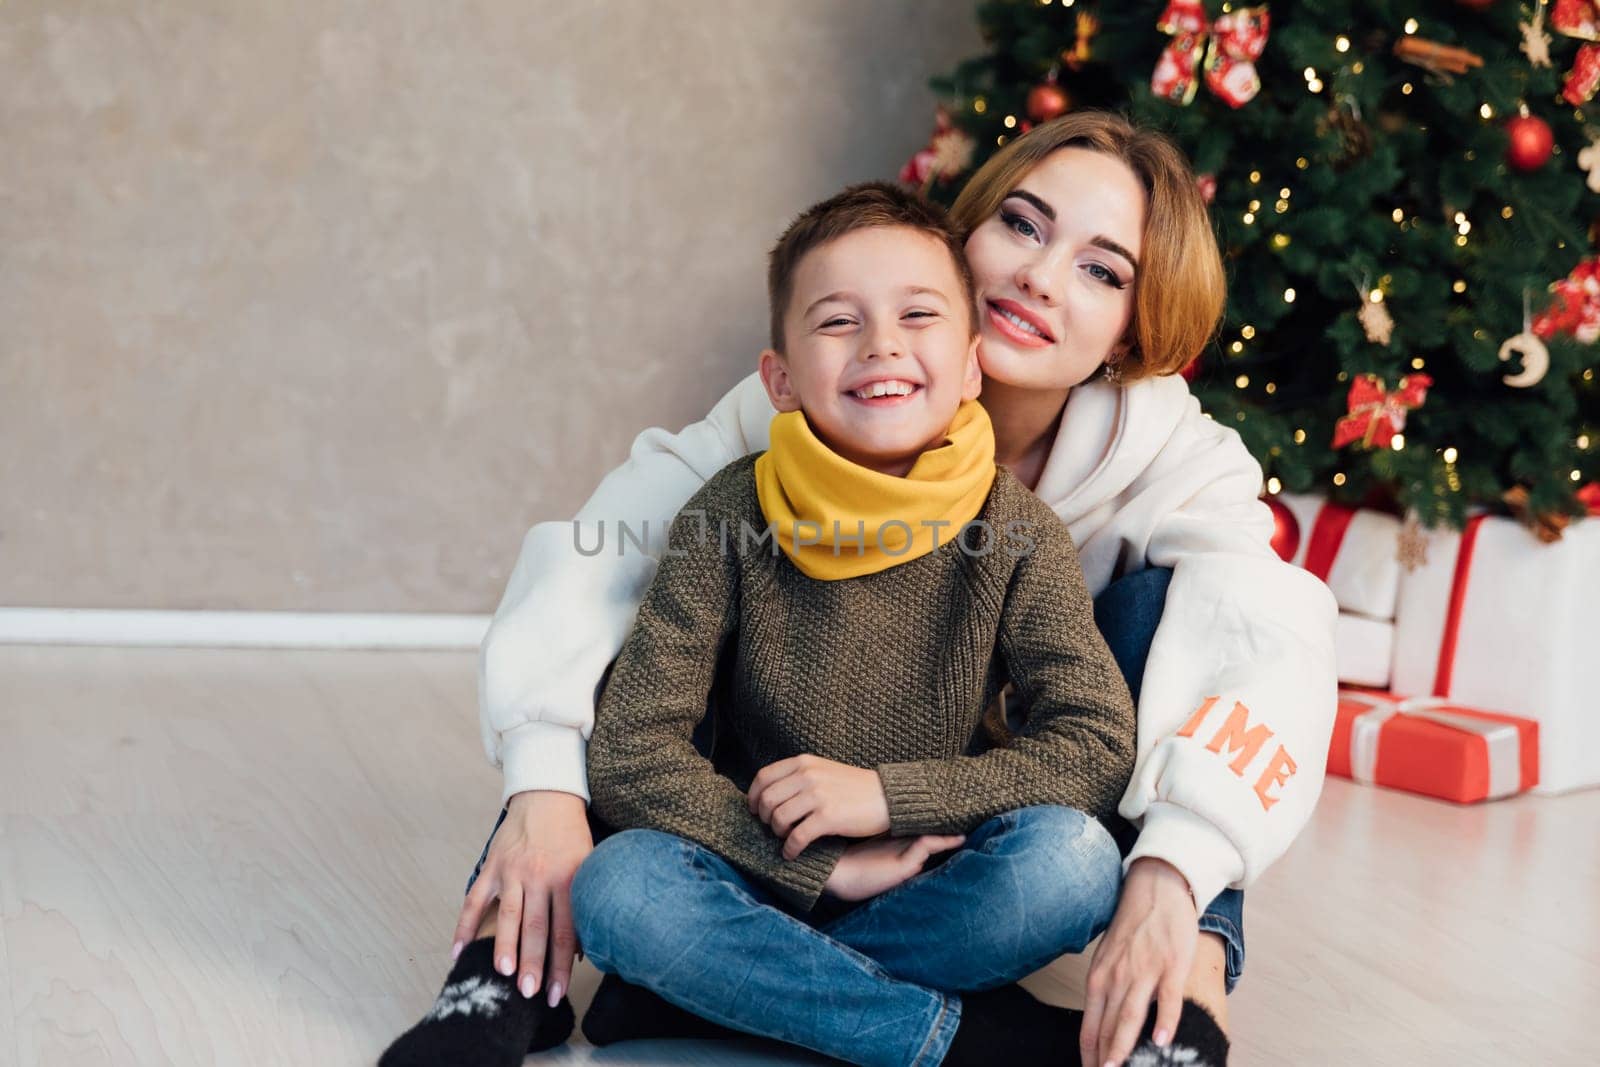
[
  {"x": 1376, "y": 414},
  {"x": 1228, "y": 47},
  {"x": 1580, "y": 19}
]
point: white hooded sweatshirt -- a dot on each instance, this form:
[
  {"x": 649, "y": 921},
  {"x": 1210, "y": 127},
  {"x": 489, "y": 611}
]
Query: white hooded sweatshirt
[{"x": 1238, "y": 694}]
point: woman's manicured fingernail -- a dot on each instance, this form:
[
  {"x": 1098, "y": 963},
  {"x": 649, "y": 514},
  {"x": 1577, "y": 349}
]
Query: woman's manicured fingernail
[
  {"x": 527, "y": 986},
  {"x": 455, "y": 950},
  {"x": 1162, "y": 1037},
  {"x": 555, "y": 994},
  {"x": 505, "y": 967}
]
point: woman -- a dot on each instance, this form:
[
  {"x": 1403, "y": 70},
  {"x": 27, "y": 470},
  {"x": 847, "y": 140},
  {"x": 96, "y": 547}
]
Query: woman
[{"x": 1098, "y": 278}]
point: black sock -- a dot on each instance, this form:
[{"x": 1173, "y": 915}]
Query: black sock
[
  {"x": 1198, "y": 1042},
  {"x": 480, "y": 1019},
  {"x": 623, "y": 1012},
  {"x": 1009, "y": 1025}
]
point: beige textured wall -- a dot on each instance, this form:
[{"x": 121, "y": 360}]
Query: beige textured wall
[{"x": 319, "y": 306}]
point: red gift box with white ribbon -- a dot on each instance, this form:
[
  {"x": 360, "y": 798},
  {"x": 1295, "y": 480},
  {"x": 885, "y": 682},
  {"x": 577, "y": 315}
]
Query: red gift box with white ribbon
[
  {"x": 1493, "y": 618},
  {"x": 1434, "y": 747}
]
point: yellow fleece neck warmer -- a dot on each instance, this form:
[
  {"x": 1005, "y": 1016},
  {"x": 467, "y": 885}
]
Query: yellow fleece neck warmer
[{"x": 836, "y": 519}]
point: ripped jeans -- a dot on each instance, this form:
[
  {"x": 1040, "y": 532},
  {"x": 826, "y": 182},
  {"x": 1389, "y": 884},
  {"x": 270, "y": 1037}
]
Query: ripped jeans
[{"x": 878, "y": 984}]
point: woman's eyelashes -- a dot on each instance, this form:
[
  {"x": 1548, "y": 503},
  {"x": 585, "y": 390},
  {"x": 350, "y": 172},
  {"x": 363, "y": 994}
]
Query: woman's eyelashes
[
  {"x": 1106, "y": 275},
  {"x": 1021, "y": 226},
  {"x": 1024, "y": 227}
]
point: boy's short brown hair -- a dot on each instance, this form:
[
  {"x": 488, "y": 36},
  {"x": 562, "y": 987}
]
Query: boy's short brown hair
[{"x": 860, "y": 207}]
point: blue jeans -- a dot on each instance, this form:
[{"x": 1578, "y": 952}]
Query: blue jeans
[
  {"x": 1127, "y": 613},
  {"x": 876, "y": 985}
]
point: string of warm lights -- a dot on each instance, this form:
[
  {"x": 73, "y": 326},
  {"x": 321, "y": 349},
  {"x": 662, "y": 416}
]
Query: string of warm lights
[{"x": 1327, "y": 72}]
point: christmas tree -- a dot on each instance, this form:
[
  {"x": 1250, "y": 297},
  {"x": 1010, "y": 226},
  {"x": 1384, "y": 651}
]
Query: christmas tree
[{"x": 1398, "y": 189}]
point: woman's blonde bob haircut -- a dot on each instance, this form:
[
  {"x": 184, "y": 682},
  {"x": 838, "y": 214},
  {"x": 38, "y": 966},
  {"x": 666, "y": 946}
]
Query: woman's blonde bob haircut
[{"x": 1179, "y": 293}]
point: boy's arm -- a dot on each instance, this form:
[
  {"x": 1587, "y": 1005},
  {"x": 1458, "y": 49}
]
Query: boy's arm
[
  {"x": 644, "y": 770},
  {"x": 566, "y": 610},
  {"x": 1077, "y": 746}
]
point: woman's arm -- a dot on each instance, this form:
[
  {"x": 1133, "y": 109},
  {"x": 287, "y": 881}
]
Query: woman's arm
[
  {"x": 565, "y": 613},
  {"x": 1223, "y": 785},
  {"x": 1239, "y": 690}
]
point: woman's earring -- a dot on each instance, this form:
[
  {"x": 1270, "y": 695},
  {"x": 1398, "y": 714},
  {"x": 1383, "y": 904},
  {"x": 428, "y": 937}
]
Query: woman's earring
[{"x": 1113, "y": 372}]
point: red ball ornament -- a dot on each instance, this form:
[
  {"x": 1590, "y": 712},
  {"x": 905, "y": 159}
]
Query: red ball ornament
[
  {"x": 1530, "y": 142},
  {"x": 1046, "y": 101},
  {"x": 1285, "y": 530},
  {"x": 1589, "y": 497}
]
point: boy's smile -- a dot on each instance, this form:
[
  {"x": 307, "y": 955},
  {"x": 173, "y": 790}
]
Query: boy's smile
[
  {"x": 883, "y": 392},
  {"x": 881, "y": 346}
]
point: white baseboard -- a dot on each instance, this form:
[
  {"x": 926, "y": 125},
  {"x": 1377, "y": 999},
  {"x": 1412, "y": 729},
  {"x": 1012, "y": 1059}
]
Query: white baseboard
[{"x": 239, "y": 629}]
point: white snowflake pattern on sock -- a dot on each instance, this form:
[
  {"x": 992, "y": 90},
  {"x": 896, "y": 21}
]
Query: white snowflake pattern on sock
[
  {"x": 1174, "y": 1055},
  {"x": 469, "y": 996}
]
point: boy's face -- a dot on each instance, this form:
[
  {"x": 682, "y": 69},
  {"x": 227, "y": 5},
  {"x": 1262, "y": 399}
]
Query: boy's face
[{"x": 879, "y": 307}]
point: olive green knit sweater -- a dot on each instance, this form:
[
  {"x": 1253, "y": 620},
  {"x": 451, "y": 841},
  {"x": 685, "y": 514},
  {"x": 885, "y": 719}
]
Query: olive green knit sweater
[{"x": 891, "y": 670}]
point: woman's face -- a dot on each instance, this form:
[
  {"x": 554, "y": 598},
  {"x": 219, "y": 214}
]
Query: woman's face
[{"x": 1062, "y": 255}]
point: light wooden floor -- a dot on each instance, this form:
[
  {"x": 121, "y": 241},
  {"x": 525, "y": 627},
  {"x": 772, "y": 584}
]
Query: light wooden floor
[{"x": 219, "y": 857}]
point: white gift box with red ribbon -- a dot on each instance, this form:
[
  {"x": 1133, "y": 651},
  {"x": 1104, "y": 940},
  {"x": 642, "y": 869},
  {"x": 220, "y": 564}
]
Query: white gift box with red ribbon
[
  {"x": 1353, "y": 550},
  {"x": 1364, "y": 650},
  {"x": 1496, "y": 619}
]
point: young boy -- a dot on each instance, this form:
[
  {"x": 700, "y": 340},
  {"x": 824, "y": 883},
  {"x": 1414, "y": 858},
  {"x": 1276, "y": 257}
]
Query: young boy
[{"x": 867, "y": 585}]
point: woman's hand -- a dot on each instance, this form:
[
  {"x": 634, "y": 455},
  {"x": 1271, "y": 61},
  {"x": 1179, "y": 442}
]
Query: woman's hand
[
  {"x": 808, "y": 797},
  {"x": 868, "y": 868},
  {"x": 1147, "y": 951},
  {"x": 530, "y": 865}
]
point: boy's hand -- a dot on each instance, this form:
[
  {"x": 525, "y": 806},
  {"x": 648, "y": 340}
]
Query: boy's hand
[
  {"x": 808, "y": 797},
  {"x": 868, "y": 868}
]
